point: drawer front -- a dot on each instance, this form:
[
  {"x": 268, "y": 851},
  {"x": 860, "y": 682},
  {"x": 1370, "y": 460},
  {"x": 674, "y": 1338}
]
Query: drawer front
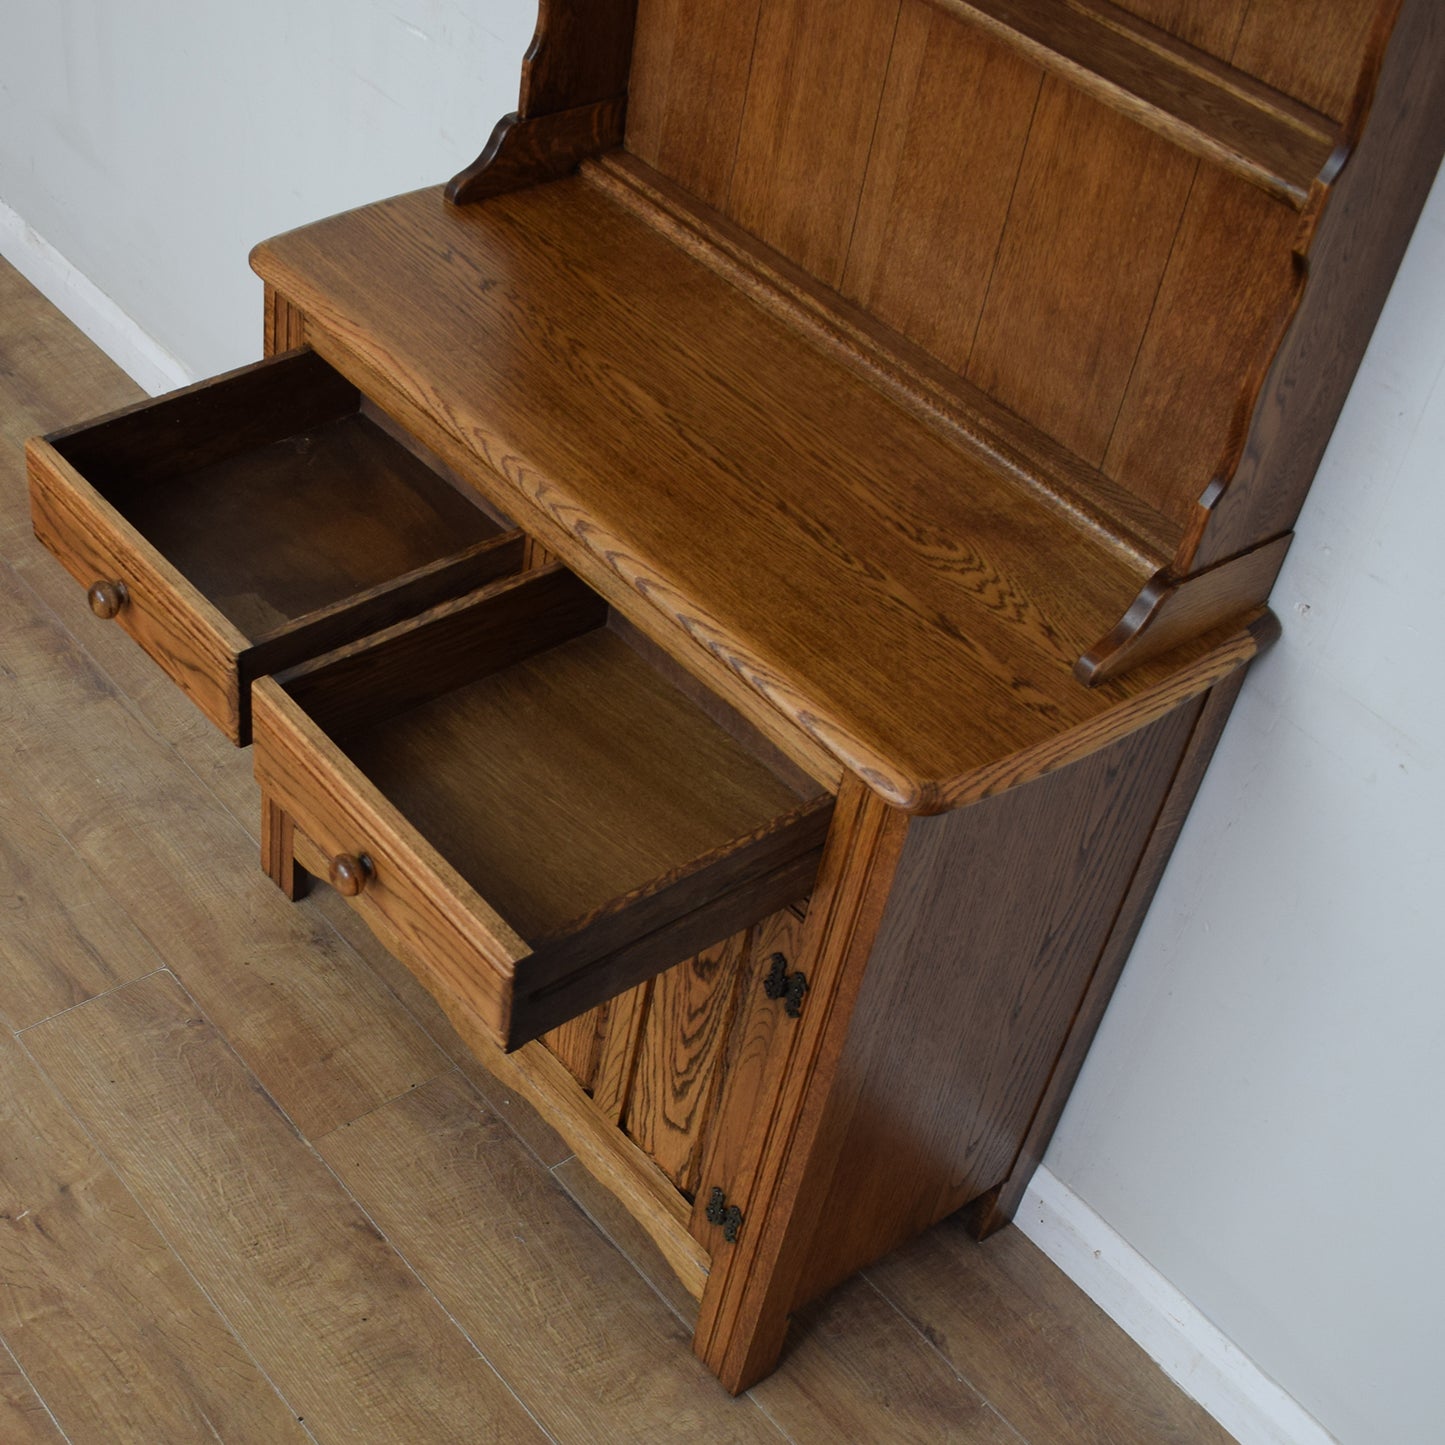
[
  {"x": 192, "y": 642},
  {"x": 253, "y": 521},
  {"x": 418, "y": 905}
]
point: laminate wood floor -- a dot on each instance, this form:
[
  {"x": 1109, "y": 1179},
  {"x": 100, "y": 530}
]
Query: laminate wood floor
[{"x": 253, "y": 1189}]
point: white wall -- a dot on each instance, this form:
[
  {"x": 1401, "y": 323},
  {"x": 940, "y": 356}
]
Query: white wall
[
  {"x": 154, "y": 142},
  {"x": 1257, "y": 1115},
  {"x": 1260, "y": 1115}
]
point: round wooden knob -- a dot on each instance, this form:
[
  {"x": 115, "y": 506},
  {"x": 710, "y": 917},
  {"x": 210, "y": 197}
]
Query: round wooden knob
[
  {"x": 349, "y": 873},
  {"x": 106, "y": 598}
]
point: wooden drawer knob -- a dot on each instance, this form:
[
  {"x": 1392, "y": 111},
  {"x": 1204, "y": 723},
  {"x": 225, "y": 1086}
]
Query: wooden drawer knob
[
  {"x": 349, "y": 873},
  {"x": 106, "y": 598}
]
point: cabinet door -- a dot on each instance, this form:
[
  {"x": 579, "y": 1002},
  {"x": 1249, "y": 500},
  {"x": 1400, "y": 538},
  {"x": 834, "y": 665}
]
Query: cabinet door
[{"x": 751, "y": 1070}]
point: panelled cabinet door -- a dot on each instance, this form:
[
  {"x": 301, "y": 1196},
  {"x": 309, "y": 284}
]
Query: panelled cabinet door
[{"x": 764, "y": 1023}]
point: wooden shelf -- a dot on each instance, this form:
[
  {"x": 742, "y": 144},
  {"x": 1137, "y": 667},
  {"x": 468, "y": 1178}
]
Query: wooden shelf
[
  {"x": 1194, "y": 100},
  {"x": 800, "y": 540}
]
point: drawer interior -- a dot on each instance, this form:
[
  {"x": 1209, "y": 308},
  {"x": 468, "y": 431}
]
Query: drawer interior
[
  {"x": 538, "y": 744},
  {"x": 273, "y": 492}
]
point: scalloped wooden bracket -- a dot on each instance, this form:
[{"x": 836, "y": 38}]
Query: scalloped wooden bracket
[
  {"x": 526, "y": 152},
  {"x": 1170, "y": 610}
]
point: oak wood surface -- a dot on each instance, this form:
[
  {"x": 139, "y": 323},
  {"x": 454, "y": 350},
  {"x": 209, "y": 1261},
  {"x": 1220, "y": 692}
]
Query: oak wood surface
[
  {"x": 1001, "y": 1202},
  {"x": 526, "y": 151},
  {"x": 744, "y": 1315},
  {"x": 971, "y": 991},
  {"x": 228, "y": 1171},
  {"x": 828, "y": 599},
  {"x": 243, "y": 521},
  {"x": 1361, "y": 237},
  {"x": 1205, "y": 107},
  {"x": 677, "y": 1072},
  {"x": 759, "y": 1041},
  {"x": 687, "y": 89},
  {"x": 1091, "y": 223},
  {"x": 807, "y": 127}
]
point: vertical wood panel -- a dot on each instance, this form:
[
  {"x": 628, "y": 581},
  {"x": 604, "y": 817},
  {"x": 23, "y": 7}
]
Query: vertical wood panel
[
  {"x": 578, "y": 1044},
  {"x": 1312, "y": 52},
  {"x": 1096, "y": 209},
  {"x": 1225, "y": 295},
  {"x": 757, "y": 1050},
  {"x": 690, "y": 64},
  {"x": 951, "y": 132},
  {"x": 811, "y": 109},
  {"x": 676, "y": 1079}
]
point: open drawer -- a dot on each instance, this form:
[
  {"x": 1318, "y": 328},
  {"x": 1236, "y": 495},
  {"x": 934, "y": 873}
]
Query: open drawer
[
  {"x": 526, "y": 811},
  {"x": 241, "y": 525}
]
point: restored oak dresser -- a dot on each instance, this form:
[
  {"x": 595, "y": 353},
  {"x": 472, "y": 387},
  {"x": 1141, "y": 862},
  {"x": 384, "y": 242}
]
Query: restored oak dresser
[{"x": 740, "y": 591}]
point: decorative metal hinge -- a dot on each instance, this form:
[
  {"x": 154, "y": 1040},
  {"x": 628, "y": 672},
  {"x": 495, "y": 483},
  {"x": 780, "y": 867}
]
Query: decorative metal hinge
[
  {"x": 790, "y": 986},
  {"x": 719, "y": 1211}
]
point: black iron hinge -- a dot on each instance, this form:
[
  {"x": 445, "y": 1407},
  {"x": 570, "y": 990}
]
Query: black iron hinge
[
  {"x": 729, "y": 1216},
  {"x": 789, "y": 986}
]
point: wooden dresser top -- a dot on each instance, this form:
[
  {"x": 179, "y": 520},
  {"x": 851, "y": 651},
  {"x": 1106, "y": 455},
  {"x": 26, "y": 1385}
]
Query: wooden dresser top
[{"x": 895, "y": 593}]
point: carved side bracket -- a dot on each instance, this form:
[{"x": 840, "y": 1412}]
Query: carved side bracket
[
  {"x": 525, "y": 152},
  {"x": 1170, "y": 610},
  {"x": 573, "y": 100}
]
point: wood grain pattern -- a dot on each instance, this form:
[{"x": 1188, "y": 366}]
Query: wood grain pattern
[
  {"x": 319, "y": 1030},
  {"x": 609, "y": 1215},
  {"x": 529, "y": 151},
  {"x": 1049, "y": 1360},
  {"x": 749, "y": 1295},
  {"x": 998, "y": 1206},
  {"x": 1170, "y": 610},
  {"x": 1211, "y": 25},
  {"x": 106, "y": 1321},
  {"x": 249, "y": 1208},
  {"x": 807, "y": 126},
  {"x": 284, "y": 327},
  {"x": 927, "y": 233},
  {"x": 609, "y": 439},
  {"x": 1198, "y": 104},
  {"x": 586, "y": 1342},
  {"x": 759, "y": 1043},
  {"x": 304, "y": 524},
  {"x": 677, "y": 1073},
  {"x": 905, "y": 1392},
  {"x": 1089, "y": 233},
  {"x": 607, "y": 1153},
  {"x": 626, "y": 1015},
  {"x": 971, "y": 992},
  {"x": 579, "y": 54},
  {"x": 64, "y": 938},
  {"x": 24, "y": 1418},
  {"x": 1230, "y": 287},
  {"x": 578, "y": 1044},
  {"x": 1353, "y": 258},
  {"x": 690, "y": 66},
  {"x": 1319, "y": 54}
]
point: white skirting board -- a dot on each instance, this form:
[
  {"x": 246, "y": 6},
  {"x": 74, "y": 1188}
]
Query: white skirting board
[
  {"x": 1186, "y": 1346},
  {"x": 88, "y": 307},
  {"x": 1189, "y": 1349}
]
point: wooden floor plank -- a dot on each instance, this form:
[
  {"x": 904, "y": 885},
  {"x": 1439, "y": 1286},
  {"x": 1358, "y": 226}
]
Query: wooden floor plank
[
  {"x": 347, "y": 1331},
  {"x": 1029, "y": 1340},
  {"x": 99, "y": 1311},
  {"x": 63, "y": 938},
  {"x": 322, "y": 1033},
  {"x": 571, "y": 1327},
  {"x": 609, "y": 1215},
  {"x": 24, "y": 1420},
  {"x": 854, "y": 1369}
]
